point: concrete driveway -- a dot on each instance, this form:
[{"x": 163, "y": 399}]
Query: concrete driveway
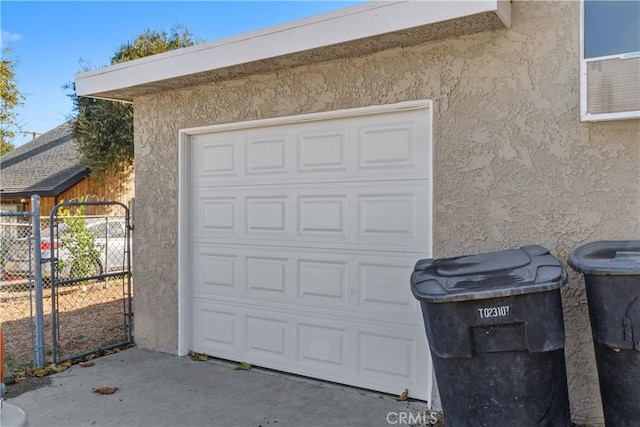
[{"x": 158, "y": 389}]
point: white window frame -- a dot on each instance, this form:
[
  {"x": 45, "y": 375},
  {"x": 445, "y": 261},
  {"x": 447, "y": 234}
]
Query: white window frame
[{"x": 584, "y": 114}]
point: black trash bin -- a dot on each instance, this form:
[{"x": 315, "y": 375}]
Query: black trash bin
[
  {"x": 496, "y": 333},
  {"x": 612, "y": 276}
]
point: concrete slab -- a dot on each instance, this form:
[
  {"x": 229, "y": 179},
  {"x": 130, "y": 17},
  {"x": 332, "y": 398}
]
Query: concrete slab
[{"x": 158, "y": 389}]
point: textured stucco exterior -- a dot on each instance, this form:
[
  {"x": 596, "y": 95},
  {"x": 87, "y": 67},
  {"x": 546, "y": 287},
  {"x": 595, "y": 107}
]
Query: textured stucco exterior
[{"x": 513, "y": 164}]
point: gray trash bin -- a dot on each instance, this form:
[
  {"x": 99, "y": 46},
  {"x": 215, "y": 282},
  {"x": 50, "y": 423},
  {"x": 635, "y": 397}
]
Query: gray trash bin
[
  {"x": 612, "y": 277},
  {"x": 496, "y": 334}
]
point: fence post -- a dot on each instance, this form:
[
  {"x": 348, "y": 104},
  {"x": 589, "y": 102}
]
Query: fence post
[{"x": 37, "y": 275}]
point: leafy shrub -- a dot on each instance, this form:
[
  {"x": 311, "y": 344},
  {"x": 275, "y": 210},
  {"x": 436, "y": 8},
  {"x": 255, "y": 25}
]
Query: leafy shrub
[{"x": 80, "y": 241}]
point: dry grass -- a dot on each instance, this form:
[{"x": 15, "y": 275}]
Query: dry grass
[{"x": 90, "y": 317}]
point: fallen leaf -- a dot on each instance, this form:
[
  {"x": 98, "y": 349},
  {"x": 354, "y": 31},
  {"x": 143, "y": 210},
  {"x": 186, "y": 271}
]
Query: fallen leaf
[
  {"x": 201, "y": 357},
  {"x": 58, "y": 368},
  {"x": 105, "y": 390},
  {"x": 86, "y": 364},
  {"x": 404, "y": 395},
  {"x": 40, "y": 372},
  {"x": 243, "y": 366}
]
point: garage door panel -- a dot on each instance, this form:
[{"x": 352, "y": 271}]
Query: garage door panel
[
  {"x": 385, "y": 357},
  {"x": 217, "y": 160},
  {"x": 322, "y": 151},
  {"x": 353, "y": 284},
  {"x": 216, "y": 273},
  {"x": 342, "y": 149},
  {"x": 266, "y": 336},
  {"x": 266, "y": 215},
  {"x": 267, "y": 276},
  {"x": 376, "y": 291},
  {"x": 322, "y": 348},
  {"x": 221, "y": 332},
  {"x": 322, "y": 281},
  {"x": 388, "y": 146},
  {"x": 387, "y": 216},
  {"x": 356, "y": 216},
  {"x": 371, "y": 355},
  {"x": 266, "y": 155},
  {"x": 302, "y": 237},
  {"x": 322, "y": 215},
  {"x": 218, "y": 215}
]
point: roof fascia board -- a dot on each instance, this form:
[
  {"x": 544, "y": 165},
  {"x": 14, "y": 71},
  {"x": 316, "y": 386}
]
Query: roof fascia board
[
  {"x": 66, "y": 185},
  {"x": 358, "y": 22},
  {"x": 55, "y": 191}
]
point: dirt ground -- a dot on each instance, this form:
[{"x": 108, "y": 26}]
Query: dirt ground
[
  {"x": 26, "y": 384},
  {"x": 90, "y": 316}
]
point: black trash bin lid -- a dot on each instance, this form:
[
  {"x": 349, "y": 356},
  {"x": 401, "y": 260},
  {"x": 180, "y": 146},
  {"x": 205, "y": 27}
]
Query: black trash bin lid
[
  {"x": 491, "y": 275},
  {"x": 607, "y": 257}
]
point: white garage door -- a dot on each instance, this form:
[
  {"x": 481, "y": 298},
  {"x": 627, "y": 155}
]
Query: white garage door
[{"x": 302, "y": 235}]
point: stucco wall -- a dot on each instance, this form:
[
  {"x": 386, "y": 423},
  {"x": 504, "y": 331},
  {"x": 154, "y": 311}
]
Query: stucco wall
[{"x": 513, "y": 164}]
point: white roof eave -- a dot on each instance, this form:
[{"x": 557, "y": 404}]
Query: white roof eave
[{"x": 342, "y": 26}]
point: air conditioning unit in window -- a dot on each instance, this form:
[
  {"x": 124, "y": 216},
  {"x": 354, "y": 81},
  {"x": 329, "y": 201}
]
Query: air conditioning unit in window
[{"x": 611, "y": 88}]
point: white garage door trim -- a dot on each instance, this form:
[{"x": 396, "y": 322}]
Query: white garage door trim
[{"x": 185, "y": 218}]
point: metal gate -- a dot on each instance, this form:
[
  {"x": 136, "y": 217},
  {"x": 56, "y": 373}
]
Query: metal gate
[{"x": 88, "y": 247}]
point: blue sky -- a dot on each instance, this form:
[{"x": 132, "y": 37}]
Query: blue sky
[{"x": 48, "y": 38}]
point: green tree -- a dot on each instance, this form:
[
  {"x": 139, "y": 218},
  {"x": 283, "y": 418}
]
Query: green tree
[
  {"x": 10, "y": 98},
  {"x": 5, "y": 147},
  {"x": 104, "y": 129}
]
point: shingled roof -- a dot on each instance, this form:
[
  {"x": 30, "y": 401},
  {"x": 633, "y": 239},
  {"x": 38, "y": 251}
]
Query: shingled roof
[{"x": 47, "y": 166}]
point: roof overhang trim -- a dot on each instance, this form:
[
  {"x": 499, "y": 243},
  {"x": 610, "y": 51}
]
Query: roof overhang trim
[
  {"x": 382, "y": 24},
  {"x": 47, "y": 192}
]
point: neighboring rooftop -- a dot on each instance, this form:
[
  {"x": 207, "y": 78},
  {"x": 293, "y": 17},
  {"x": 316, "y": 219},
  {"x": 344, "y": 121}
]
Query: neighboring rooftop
[{"x": 47, "y": 166}]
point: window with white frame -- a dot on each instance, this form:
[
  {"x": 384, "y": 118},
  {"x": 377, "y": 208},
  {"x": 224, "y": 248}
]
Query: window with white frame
[{"x": 610, "y": 64}]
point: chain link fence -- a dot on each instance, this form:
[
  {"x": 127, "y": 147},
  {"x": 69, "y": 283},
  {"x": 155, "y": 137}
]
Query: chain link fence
[
  {"x": 85, "y": 298},
  {"x": 17, "y": 285}
]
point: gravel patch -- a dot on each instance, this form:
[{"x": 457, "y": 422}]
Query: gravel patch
[{"x": 90, "y": 316}]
